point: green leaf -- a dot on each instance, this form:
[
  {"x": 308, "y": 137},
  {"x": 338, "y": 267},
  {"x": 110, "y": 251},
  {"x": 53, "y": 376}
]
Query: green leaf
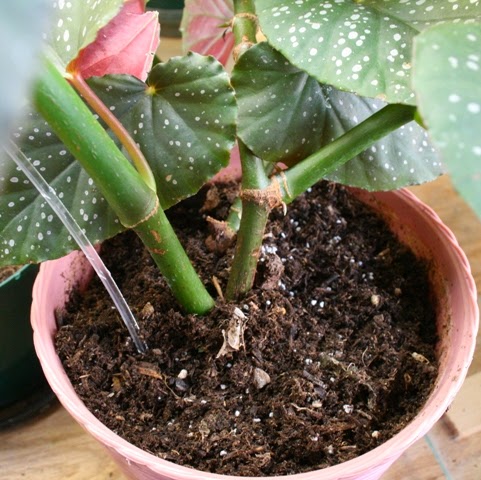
[
  {"x": 280, "y": 127},
  {"x": 75, "y": 24},
  {"x": 266, "y": 113},
  {"x": 447, "y": 80},
  {"x": 184, "y": 121},
  {"x": 21, "y": 26},
  {"x": 29, "y": 229},
  {"x": 363, "y": 47},
  {"x": 186, "y": 132},
  {"x": 420, "y": 14}
]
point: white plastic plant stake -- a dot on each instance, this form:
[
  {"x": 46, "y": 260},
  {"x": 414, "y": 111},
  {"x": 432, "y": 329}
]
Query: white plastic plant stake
[{"x": 48, "y": 193}]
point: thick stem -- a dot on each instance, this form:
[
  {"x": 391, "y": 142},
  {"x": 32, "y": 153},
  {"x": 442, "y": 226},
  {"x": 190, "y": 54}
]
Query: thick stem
[
  {"x": 169, "y": 255},
  {"x": 119, "y": 182},
  {"x": 132, "y": 200},
  {"x": 114, "y": 124},
  {"x": 298, "y": 179},
  {"x": 256, "y": 205},
  {"x": 235, "y": 213}
]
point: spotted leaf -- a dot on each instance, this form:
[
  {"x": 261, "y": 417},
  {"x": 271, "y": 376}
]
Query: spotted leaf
[
  {"x": 75, "y": 24},
  {"x": 287, "y": 128},
  {"x": 184, "y": 120},
  {"x": 186, "y": 133},
  {"x": 362, "y": 46},
  {"x": 421, "y": 14},
  {"x": 204, "y": 28},
  {"x": 447, "y": 80},
  {"x": 29, "y": 229}
]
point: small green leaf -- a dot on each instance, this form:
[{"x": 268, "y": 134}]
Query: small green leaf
[
  {"x": 266, "y": 112},
  {"x": 362, "y": 46},
  {"x": 280, "y": 127},
  {"x": 447, "y": 80},
  {"x": 75, "y": 24},
  {"x": 183, "y": 121}
]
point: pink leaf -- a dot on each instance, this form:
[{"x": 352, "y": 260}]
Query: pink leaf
[
  {"x": 127, "y": 45},
  {"x": 204, "y": 28}
]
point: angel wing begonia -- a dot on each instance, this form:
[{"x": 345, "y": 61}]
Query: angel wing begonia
[{"x": 126, "y": 45}]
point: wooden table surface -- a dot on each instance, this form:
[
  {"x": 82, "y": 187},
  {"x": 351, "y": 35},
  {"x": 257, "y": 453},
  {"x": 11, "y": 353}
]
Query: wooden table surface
[{"x": 54, "y": 447}]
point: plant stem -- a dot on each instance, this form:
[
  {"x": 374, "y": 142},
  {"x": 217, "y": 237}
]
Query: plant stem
[
  {"x": 293, "y": 182},
  {"x": 305, "y": 174},
  {"x": 75, "y": 125},
  {"x": 244, "y": 26},
  {"x": 256, "y": 194},
  {"x": 159, "y": 237},
  {"x": 235, "y": 215},
  {"x": 135, "y": 204},
  {"x": 256, "y": 206},
  {"x": 114, "y": 124}
]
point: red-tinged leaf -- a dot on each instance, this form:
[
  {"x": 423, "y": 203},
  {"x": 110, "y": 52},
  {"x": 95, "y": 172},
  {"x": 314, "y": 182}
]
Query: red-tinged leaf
[
  {"x": 126, "y": 45},
  {"x": 233, "y": 171},
  {"x": 204, "y": 28}
]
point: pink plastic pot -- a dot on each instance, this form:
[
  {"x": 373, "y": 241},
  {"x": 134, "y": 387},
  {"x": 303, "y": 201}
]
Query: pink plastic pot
[{"x": 416, "y": 225}]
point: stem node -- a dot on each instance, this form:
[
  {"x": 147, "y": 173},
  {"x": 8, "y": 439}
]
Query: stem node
[{"x": 268, "y": 198}]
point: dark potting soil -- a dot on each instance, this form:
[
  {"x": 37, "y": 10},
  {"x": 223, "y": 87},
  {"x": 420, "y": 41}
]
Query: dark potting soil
[{"x": 329, "y": 356}]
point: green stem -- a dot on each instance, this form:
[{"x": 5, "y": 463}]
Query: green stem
[
  {"x": 132, "y": 200},
  {"x": 298, "y": 179},
  {"x": 75, "y": 125},
  {"x": 255, "y": 212},
  {"x": 244, "y": 26},
  {"x": 235, "y": 214},
  {"x": 255, "y": 183},
  {"x": 170, "y": 257}
]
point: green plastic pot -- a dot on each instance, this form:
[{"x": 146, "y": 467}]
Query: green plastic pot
[
  {"x": 23, "y": 388},
  {"x": 167, "y": 4}
]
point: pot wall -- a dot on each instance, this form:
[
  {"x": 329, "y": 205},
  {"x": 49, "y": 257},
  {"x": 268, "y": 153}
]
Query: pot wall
[{"x": 416, "y": 225}]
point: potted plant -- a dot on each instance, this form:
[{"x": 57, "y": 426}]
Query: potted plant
[{"x": 179, "y": 126}]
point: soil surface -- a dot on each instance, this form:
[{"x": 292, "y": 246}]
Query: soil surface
[{"x": 330, "y": 355}]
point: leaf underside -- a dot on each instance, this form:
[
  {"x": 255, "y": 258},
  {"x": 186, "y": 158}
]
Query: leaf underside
[
  {"x": 74, "y": 25},
  {"x": 204, "y": 28}
]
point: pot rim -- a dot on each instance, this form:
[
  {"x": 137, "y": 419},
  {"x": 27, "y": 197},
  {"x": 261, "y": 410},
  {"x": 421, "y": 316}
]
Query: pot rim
[{"x": 391, "y": 449}]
